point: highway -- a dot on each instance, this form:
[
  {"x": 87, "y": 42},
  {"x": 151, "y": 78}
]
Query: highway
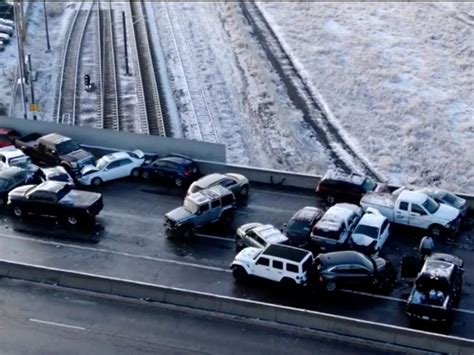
[
  {"x": 49, "y": 320},
  {"x": 132, "y": 246}
]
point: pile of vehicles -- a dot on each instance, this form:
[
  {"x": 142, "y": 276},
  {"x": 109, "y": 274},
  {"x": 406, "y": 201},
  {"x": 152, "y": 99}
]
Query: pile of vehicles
[
  {"x": 318, "y": 250},
  {"x": 7, "y": 28}
]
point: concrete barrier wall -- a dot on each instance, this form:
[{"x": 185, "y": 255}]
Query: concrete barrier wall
[
  {"x": 285, "y": 315},
  {"x": 211, "y": 157},
  {"x": 121, "y": 140}
]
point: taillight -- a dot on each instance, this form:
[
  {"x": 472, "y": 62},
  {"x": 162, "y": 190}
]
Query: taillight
[
  {"x": 187, "y": 172},
  {"x": 321, "y": 279}
]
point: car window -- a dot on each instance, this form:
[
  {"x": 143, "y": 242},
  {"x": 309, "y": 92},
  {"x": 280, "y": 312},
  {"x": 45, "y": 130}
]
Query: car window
[
  {"x": 227, "y": 200},
  {"x": 403, "y": 206},
  {"x": 291, "y": 267},
  {"x": 260, "y": 241},
  {"x": 384, "y": 226},
  {"x": 204, "y": 208},
  {"x": 125, "y": 161},
  {"x": 277, "y": 264},
  {"x": 359, "y": 270},
  {"x": 418, "y": 209},
  {"x": 228, "y": 183},
  {"x": 263, "y": 261},
  {"x": 215, "y": 204},
  {"x": 159, "y": 163},
  {"x": 113, "y": 165}
]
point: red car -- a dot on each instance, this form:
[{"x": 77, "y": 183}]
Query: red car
[{"x": 7, "y": 137}]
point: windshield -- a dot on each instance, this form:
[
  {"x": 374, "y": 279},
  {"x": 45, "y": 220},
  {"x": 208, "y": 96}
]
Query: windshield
[
  {"x": 369, "y": 185},
  {"x": 101, "y": 163},
  {"x": 451, "y": 199},
  {"x": 190, "y": 206},
  {"x": 369, "y": 231},
  {"x": 298, "y": 227},
  {"x": 22, "y": 162},
  {"x": 67, "y": 147},
  {"x": 59, "y": 177},
  {"x": 430, "y": 205},
  {"x": 63, "y": 192}
]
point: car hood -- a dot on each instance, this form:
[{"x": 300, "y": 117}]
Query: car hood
[
  {"x": 446, "y": 213},
  {"x": 246, "y": 227},
  {"x": 362, "y": 239},
  {"x": 20, "y": 191},
  {"x": 80, "y": 198},
  {"x": 88, "y": 168},
  {"x": 77, "y": 155},
  {"x": 247, "y": 254},
  {"x": 179, "y": 214}
]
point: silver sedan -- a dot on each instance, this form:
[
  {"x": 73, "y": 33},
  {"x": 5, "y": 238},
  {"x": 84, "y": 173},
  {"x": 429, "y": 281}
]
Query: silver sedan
[{"x": 237, "y": 183}]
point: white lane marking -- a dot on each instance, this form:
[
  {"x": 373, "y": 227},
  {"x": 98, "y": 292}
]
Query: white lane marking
[
  {"x": 114, "y": 252},
  {"x": 231, "y": 240},
  {"x": 75, "y": 327},
  {"x": 249, "y": 209},
  {"x": 461, "y": 310}
]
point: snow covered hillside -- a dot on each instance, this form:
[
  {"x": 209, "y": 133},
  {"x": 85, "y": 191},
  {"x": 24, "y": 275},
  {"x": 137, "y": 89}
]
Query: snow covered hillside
[{"x": 399, "y": 78}]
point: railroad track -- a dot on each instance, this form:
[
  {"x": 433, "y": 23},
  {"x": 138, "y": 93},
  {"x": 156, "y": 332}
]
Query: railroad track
[
  {"x": 66, "y": 90},
  {"x": 198, "y": 101},
  {"x": 149, "y": 106},
  {"x": 109, "y": 101},
  {"x": 328, "y": 135}
]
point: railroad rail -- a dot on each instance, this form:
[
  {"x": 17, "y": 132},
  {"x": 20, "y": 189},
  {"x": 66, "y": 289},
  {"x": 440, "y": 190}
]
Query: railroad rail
[
  {"x": 109, "y": 95},
  {"x": 203, "y": 119},
  {"x": 345, "y": 157},
  {"x": 149, "y": 106},
  {"x": 66, "y": 90}
]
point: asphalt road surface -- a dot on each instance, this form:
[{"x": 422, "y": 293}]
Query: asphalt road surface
[
  {"x": 48, "y": 320},
  {"x": 132, "y": 245}
]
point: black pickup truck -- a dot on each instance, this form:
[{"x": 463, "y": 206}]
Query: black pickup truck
[
  {"x": 55, "y": 199},
  {"x": 437, "y": 289},
  {"x": 55, "y": 149}
]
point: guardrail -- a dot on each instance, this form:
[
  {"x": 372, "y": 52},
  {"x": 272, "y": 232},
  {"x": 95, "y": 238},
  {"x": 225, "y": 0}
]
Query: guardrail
[{"x": 362, "y": 330}]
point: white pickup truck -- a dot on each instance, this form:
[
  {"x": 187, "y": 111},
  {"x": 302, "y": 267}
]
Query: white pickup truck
[{"x": 413, "y": 208}]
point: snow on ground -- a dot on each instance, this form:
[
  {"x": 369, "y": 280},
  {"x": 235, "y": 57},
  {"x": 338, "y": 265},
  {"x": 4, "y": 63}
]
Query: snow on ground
[
  {"x": 399, "y": 78},
  {"x": 252, "y": 113}
]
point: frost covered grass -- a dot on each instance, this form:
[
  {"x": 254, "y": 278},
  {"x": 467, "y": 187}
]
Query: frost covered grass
[{"x": 399, "y": 78}]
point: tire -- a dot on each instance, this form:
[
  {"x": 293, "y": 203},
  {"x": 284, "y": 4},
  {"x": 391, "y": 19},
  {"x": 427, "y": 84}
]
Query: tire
[
  {"x": 186, "y": 231},
  {"x": 146, "y": 175},
  {"x": 96, "y": 181},
  {"x": 178, "y": 182},
  {"x": 135, "y": 173},
  {"x": 17, "y": 211},
  {"x": 239, "y": 244},
  {"x": 239, "y": 273},
  {"x": 72, "y": 220},
  {"x": 330, "y": 286},
  {"x": 288, "y": 283},
  {"x": 436, "y": 230},
  {"x": 330, "y": 200}
]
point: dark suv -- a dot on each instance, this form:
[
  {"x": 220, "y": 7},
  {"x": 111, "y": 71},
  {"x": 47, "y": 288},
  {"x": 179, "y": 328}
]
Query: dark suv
[
  {"x": 337, "y": 186},
  {"x": 298, "y": 230},
  {"x": 351, "y": 269},
  {"x": 178, "y": 169}
]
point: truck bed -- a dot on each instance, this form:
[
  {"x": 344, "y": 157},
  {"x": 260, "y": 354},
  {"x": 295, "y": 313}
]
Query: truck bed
[
  {"x": 375, "y": 199},
  {"x": 30, "y": 140}
]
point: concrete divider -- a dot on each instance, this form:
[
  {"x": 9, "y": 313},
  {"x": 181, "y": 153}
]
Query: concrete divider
[{"x": 359, "y": 329}]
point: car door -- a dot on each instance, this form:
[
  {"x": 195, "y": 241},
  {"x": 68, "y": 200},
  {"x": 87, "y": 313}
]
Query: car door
[
  {"x": 159, "y": 169},
  {"x": 419, "y": 217},
  {"x": 126, "y": 167},
  {"x": 402, "y": 213},
  {"x": 384, "y": 232},
  {"x": 262, "y": 268},
  {"x": 111, "y": 171},
  {"x": 202, "y": 216},
  {"x": 341, "y": 275},
  {"x": 358, "y": 276}
]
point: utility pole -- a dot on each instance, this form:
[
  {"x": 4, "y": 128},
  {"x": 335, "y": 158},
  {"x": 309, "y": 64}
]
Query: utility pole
[
  {"x": 30, "y": 75},
  {"x": 125, "y": 41},
  {"x": 21, "y": 57},
  {"x": 46, "y": 26}
]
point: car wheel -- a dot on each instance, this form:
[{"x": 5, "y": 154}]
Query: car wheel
[
  {"x": 96, "y": 181},
  {"x": 186, "y": 231},
  {"x": 17, "y": 211},
  {"x": 135, "y": 173},
  {"x": 146, "y": 174},
  {"x": 330, "y": 199},
  {"x": 239, "y": 273},
  {"x": 178, "y": 182},
  {"x": 72, "y": 220},
  {"x": 239, "y": 243},
  {"x": 288, "y": 283},
  {"x": 436, "y": 230},
  {"x": 331, "y": 286}
]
